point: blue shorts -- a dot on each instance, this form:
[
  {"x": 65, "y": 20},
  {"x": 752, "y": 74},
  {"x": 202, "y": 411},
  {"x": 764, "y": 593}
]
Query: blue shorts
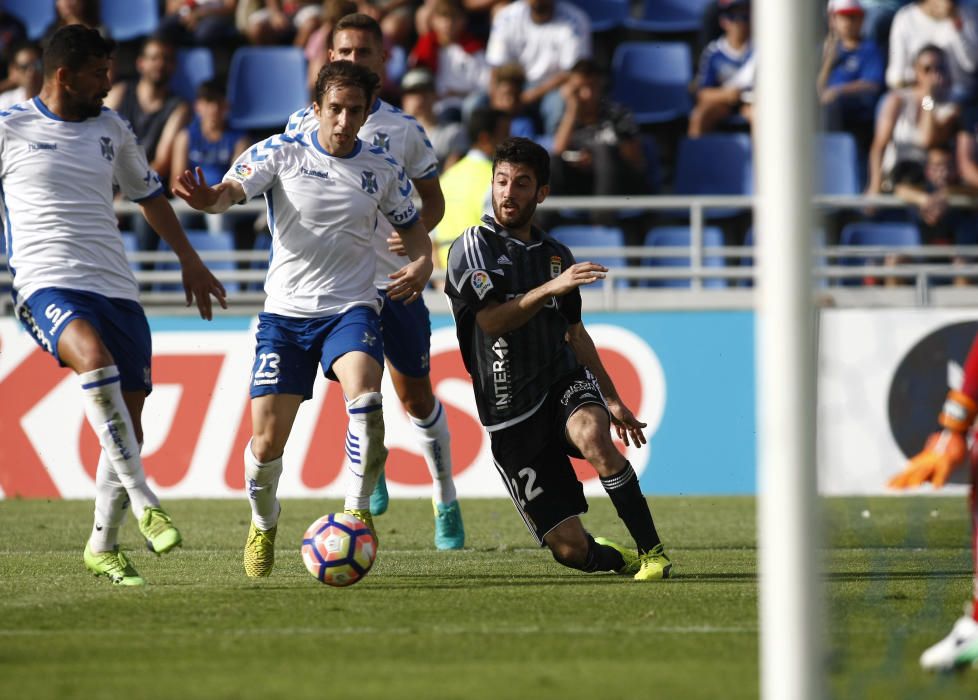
[
  {"x": 287, "y": 349},
  {"x": 120, "y": 323},
  {"x": 407, "y": 336}
]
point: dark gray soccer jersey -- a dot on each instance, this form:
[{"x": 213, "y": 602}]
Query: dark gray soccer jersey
[{"x": 513, "y": 373}]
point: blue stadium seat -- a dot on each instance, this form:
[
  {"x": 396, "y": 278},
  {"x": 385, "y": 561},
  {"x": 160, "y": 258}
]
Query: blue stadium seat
[
  {"x": 838, "y": 164},
  {"x": 194, "y": 66},
  {"x": 677, "y": 236},
  {"x": 126, "y": 20},
  {"x": 652, "y": 79},
  {"x": 203, "y": 241},
  {"x": 715, "y": 164},
  {"x": 875, "y": 233},
  {"x": 131, "y": 245},
  {"x": 35, "y": 14},
  {"x": 266, "y": 84},
  {"x": 669, "y": 16},
  {"x": 604, "y": 14},
  {"x": 594, "y": 236}
]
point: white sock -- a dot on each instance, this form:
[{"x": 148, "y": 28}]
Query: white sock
[
  {"x": 432, "y": 434},
  {"x": 111, "y": 503},
  {"x": 107, "y": 413},
  {"x": 365, "y": 449},
  {"x": 262, "y": 482}
]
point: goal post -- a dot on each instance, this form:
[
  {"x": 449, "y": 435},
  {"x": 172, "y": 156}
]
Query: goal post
[{"x": 791, "y": 659}]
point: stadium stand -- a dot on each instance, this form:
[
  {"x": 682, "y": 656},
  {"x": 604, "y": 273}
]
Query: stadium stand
[
  {"x": 194, "y": 66},
  {"x": 669, "y": 16},
  {"x": 266, "y": 84},
  {"x": 203, "y": 242},
  {"x": 605, "y": 15},
  {"x": 128, "y": 20},
  {"x": 838, "y": 172},
  {"x": 35, "y": 14},
  {"x": 652, "y": 79},
  {"x": 594, "y": 236},
  {"x": 679, "y": 236},
  {"x": 875, "y": 233}
]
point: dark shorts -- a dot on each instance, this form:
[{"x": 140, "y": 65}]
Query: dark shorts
[
  {"x": 407, "y": 336},
  {"x": 288, "y": 349},
  {"x": 120, "y": 323},
  {"x": 533, "y": 456}
]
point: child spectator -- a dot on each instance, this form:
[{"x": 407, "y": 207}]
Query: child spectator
[
  {"x": 851, "y": 77},
  {"x": 505, "y": 87},
  {"x": 724, "y": 82},
  {"x": 455, "y": 57},
  {"x": 208, "y": 143}
]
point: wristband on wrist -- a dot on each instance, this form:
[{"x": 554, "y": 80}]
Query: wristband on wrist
[{"x": 959, "y": 411}]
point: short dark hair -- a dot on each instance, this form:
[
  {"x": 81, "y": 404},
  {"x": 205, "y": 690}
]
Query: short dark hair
[
  {"x": 211, "y": 91},
  {"x": 521, "y": 151},
  {"x": 484, "y": 121},
  {"x": 930, "y": 48},
  {"x": 360, "y": 22},
  {"x": 22, "y": 45},
  {"x": 511, "y": 73},
  {"x": 588, "y": 67},
  {"x": 73, "y": 46},
  {"x": 346, "y": 74}
]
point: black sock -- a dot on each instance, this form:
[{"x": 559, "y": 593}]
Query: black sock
[
  {"x": 601, "y": 557},
  {"x": 632, "y": 507}
]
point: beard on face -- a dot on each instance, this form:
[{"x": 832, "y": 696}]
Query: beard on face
[{"x": 513, "y": 221}]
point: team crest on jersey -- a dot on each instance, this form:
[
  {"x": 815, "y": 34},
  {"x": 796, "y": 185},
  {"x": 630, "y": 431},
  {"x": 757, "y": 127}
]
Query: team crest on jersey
[
  {"x": 481, "y": 283},
  {"x": 555, "y": 266},
  {"x": 368, "y": 181},
  {"x": 243, "y": 170},
  {"x": 108, "y": 150},
  {"x": 383, "y": 140}
]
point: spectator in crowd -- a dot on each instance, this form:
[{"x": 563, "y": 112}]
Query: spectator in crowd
[
  {"x": 505, "y": 87},
  {"x": 198, "y": 22},
  {"x": 210, "y": 144},
  {"x": 941, "y": 23},
  {"x": 396, "y": 19},
  {"x": 84, "y": 12},
  {"x": 418, "y": 99},
  {"x": 851, "y": 76},
  {"x": 478, "y": 13},
  {"x": 467, "y": 185},
  {"x": 597, "y": 149},
  {"x": 156, "y": 114},
  {"x": 277, "y": 21},
  {"x": 546, "y": 37},
  {"x": 456, "y": 57},
  {"x": 911, "y": 120},
  {"x": 928, "y": 190},
  {"x": 317, "y": 45},
  {"x": 725, "y": 80},
  {"x": 24, "y": 68},
  {"x": 12, "y": 32}
]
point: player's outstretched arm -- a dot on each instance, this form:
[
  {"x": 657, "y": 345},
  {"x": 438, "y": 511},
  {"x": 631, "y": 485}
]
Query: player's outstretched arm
[
  {"x": 192, "y": 187},
  {"x": 408, "y": 282},
  {"x": 198, "y": 282},
  {"x": 945, "y": 451},
  {"x": 498, "y": 319},
  {"x": 627, "y": 426}
]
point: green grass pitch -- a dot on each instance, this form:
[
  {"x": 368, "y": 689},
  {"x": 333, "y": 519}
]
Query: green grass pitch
[{"x": 498, "y": 620}]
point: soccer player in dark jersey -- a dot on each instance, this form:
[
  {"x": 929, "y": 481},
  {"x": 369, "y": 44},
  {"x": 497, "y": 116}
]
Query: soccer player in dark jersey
[{"x": 540, "y": 387}]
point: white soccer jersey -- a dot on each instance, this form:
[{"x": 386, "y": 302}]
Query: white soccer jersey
[
  {"x": 402, "y": 135},
  {"x": 322, "y": 212},
  {"x": 56, "y": 178}
]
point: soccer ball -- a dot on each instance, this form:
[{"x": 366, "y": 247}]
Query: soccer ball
[{"x": 339, "y": 549}]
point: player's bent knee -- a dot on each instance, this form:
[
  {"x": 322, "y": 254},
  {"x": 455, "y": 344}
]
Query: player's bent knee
[{"x": 266, "y": 448}]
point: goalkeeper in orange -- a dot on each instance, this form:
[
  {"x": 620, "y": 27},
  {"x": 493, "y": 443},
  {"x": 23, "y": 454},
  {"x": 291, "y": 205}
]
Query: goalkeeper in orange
[{"x": 944, "y": 452}]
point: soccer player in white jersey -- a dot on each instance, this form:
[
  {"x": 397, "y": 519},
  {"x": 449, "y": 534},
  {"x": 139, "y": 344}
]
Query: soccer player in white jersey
[
  {"x": 406, "y": 328},
  {"x": 73, "y": 289},
  {"x": 324, "y": 189}
]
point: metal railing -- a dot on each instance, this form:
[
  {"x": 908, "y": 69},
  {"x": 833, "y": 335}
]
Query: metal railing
[{"x": 921, "y": 276}]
